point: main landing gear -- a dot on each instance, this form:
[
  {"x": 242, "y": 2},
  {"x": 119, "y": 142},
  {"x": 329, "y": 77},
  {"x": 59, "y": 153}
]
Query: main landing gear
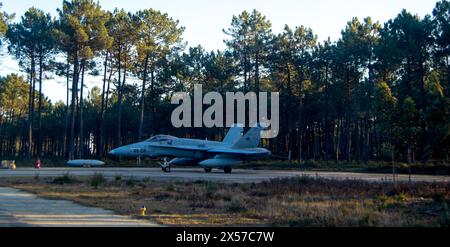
[
  {"x": 165, "y": 166},
  {"x": 208, "y": 170},
  {"x": 227, "y": 169}
]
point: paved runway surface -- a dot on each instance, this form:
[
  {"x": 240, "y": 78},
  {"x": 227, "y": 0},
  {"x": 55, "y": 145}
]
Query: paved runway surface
[
  {"x": 194, "y": 174},
  {"x": 18, "y": 208}
]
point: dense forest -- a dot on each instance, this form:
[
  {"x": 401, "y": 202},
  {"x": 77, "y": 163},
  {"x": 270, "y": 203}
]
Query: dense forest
[{"x": 380, "y": 92}]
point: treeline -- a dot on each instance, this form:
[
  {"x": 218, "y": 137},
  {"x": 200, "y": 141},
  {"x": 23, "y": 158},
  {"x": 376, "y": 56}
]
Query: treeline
[{"x": 380, "y": 92}]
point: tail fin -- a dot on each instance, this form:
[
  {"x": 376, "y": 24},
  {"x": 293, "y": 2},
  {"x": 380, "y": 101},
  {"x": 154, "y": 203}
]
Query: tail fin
[
  {"x": 250, "y": 139},
  {"x": 234, "y": 133}
]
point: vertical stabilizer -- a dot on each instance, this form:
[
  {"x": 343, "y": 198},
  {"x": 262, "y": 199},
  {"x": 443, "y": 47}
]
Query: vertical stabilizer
[
  {"x": 234, "y": 134},
  {"x": 250, "y": 139}
]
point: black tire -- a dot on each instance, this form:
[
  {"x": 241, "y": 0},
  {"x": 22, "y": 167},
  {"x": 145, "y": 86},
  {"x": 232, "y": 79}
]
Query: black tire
[
  {"x": 166, "y": 169},
  {"x": 227, "y": 169},
  {"x": 208, "y": 170}
]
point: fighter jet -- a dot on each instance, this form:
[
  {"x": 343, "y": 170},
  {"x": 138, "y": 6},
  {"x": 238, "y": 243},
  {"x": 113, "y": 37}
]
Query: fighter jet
[{"x": 234, "y": 149}]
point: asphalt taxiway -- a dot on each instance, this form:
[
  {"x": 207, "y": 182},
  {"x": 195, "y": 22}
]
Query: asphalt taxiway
[
  {"x": 22, "y": 209},
  {"x": 197, "y": 174}
]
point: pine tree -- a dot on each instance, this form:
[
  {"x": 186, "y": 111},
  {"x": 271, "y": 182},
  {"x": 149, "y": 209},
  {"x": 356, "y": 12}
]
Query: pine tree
[
  {"x": 82, "y": 32},
  {"x": 157, "y": 36}
]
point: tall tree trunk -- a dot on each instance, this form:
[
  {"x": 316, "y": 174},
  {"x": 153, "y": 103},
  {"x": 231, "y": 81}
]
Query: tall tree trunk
[
  {"x": 447, "y": 61},
  {"x": 31, "y": 106},
  {"x": 119, "y": 103},
  {"x": 106, "y": 108},
  {"x": 348, "y": 141},
  {"x": 66, "y": 132},
  {"x": 289, "y": 140},
  {"x": 257, "y": 84},
  {"x": 425, "y": 135},
  {"x": 301, "y": 119},
  {"x": 72, "y": 107},
  {"x": 141, "y": 120},
  {"x": 152, "y": 99},
  {"x": 300, "y": 124},
  {"x": 327, "y": 120},
  {"x": 100, "y": 127},
  {"x": 367, "y": 117},
  {"x": 338, "y": 138},
  {"x": 1, "y": 136},
  {"x": 81, "y": 140},
  {"x": 39, "y": 142},
  {"x": 245, "y": 73}
]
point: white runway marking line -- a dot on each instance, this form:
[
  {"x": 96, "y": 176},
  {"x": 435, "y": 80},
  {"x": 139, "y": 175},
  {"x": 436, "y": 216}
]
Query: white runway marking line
[{"x": 18, "y": 208}]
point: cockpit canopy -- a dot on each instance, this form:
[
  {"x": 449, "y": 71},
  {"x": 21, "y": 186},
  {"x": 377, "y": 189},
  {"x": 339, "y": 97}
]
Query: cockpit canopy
[{"x": 161, "y": 138}]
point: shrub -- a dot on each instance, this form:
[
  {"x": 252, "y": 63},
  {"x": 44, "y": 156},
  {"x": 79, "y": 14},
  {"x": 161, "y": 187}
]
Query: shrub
[
  {"x": 64, "y": 179},
  {"x": 210, "y": 190},
  {"x": 97, "y": 179},
  {"x": 170, "y": 187},
  {"x": 445, "y": 220},
  {"x": 161, "y": 196},
  {"x": 367, "y": 218},
  {"x": 226, "y": 196},
  {"x": 438, "y": 197},
  {"x": 402, "y": 196},
  {"x": 131, "y": 181},
  {"x": 237, "y": 205},
  {"x": 118, "y": 178}
]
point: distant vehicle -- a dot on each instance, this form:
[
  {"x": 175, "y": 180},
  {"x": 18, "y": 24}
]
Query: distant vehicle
[
  {"x": 85, "y": 163},
  {"x": 234, "y": 149},
  {"x": 8, "y": 164}
]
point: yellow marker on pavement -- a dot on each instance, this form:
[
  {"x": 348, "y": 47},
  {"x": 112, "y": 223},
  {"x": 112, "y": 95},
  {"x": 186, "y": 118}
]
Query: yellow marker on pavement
[{"x": 143, "y": 210}]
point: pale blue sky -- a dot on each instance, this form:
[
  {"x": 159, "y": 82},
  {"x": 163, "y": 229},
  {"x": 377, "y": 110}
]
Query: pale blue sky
[{"x": 205, "y": 19}]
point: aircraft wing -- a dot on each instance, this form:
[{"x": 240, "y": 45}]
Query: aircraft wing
[
  {"x": 240, "y": 152},
  {"x": 184, "y": 147},
  {"x": 229, "y": 151}
]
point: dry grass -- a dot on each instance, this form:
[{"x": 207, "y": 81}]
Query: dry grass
[{"x": 282, "y": 202}]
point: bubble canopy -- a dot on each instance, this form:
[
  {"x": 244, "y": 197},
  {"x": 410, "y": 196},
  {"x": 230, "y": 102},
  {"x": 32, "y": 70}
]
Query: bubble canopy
[{"x": 160, "y": 138}]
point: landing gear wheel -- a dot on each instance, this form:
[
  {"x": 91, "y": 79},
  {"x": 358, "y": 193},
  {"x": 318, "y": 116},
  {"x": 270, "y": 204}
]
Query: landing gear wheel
[
  {"x": 227, "y": 169},
  {"x": 208, "y": 170},
  {"x": 165, "y": 166}
]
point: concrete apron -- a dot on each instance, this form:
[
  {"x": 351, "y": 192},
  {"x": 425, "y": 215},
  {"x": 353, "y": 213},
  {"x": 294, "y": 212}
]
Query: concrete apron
[{"x": 19, "y": 208}]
